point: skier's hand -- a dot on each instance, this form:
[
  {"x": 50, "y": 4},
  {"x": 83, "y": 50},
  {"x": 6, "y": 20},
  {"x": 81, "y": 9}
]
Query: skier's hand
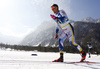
[
  {"x": 56, "y": 37},
  {"x": 54, "y": 17}
]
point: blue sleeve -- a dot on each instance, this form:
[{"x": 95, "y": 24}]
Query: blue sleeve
[
  {"x": 57, "y": 30},
  {"x": 62, "y": 16}
]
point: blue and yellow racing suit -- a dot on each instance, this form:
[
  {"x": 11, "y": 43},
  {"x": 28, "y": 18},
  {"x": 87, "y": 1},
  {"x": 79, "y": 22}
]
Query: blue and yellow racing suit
[{"x": 67, "y": 31}]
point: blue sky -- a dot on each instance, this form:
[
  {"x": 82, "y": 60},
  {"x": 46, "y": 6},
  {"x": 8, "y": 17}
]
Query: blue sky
[
  {"x": 20, "y": 17},
  {"x": 84, "y": 8}
]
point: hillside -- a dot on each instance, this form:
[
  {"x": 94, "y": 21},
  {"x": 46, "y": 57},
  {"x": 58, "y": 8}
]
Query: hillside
[{"x": 84, "y": 32}]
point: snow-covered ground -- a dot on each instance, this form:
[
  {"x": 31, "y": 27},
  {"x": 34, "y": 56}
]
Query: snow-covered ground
[{"x": 24, "y": 60}]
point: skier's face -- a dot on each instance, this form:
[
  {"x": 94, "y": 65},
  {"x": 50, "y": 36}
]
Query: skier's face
[{"x": 54, "y": 9}]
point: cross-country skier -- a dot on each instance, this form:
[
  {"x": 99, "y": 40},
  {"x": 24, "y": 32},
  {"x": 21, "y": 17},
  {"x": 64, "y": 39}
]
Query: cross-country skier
[
  {"x": 67, "y": 32},
  {"x": 89, "y": 48}
]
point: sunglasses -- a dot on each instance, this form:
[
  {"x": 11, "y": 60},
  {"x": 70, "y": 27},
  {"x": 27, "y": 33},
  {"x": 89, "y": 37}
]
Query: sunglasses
[{"x": 52, "y": 8}]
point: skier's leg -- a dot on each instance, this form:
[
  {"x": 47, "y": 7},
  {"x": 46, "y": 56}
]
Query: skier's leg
[
  {"x": 61, "y": 47},
  {"x": 61, "y": 41},
  {"x": 89, "y": 52},
  {"x": 70, "y": 34},
  {"x": 73, "y": 43}
]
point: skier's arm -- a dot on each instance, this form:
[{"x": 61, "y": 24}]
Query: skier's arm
[{"x": 57, "y": 31}]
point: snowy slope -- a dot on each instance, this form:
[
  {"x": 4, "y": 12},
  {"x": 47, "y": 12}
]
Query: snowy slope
[
  {"x": 89, "y": 19},
  {"x": 98, "y": 20},
  {"x": 24, "y": 60},
  {"x": 45, "y": 30}
]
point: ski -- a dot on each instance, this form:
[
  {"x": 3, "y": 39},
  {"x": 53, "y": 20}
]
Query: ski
[{"x": 88, "y": 62}]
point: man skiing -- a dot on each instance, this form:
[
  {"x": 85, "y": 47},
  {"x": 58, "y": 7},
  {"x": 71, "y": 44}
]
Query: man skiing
[
  {"x": 67, "y": 32},
  {"x": 89, "y": 48}
]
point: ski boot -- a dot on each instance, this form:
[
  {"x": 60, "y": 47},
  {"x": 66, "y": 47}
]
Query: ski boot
[
  {"x": 60, "y": 59},
  {"x": 83, "y": 56},
  {"x": 89, "y": 56}
]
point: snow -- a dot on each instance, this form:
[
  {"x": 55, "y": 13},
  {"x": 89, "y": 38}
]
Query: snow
[
  {"x": 89, "y": 19},
  {"x": 98, "y": 20},
  {"x": 23, "y": 60}
]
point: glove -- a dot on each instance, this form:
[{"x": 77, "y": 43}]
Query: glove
[
  {"x": 56, "y": 37},
  {"x": 53, "y": 16}
]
